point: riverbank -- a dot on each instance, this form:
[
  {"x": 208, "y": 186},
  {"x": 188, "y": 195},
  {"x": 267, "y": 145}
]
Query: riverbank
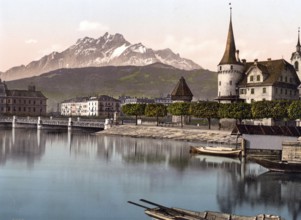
[{"x": 174, "y": 133}]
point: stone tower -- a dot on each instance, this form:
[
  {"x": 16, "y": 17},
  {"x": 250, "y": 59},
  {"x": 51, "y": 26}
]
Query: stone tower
[
  {"x": 296, "y": 57},
  {"x": 230, "y": 70},
  {"x": 181, "y": 92}
]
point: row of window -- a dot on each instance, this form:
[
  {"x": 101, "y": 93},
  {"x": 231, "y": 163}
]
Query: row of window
[
  {"x": 277, "y": 91},
  {"x": 257, "y": 78},
  {"x": 21, "y": 101},
  {"x": 19, "y": 109}
]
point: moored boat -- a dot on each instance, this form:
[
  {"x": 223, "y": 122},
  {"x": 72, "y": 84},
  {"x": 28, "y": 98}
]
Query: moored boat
[
  {"x": 164, "y": 213},
  {"x": 220, "y": 151},
  {"x": 280, "y": 165}
]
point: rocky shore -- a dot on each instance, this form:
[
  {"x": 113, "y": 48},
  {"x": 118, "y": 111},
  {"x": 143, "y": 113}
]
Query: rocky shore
[{"x": 174, "y": 133}]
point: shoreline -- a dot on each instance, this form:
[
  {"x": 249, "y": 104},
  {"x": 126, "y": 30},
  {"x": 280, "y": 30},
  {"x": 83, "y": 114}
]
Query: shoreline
[{"x": 172, "y": 133}]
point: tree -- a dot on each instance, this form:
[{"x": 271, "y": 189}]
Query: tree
[
  {"x": 237, "y": 110},
  {"x": 134, "y": 110},
  {"x": 262, "y": 109},
  {"x": 294, "y": 110},
  {"x": 206, "y": 110},
  {"x": 156, "y": 110},
  {"x": 179, "y": 109},
  {"x": 280, "y": 109}
]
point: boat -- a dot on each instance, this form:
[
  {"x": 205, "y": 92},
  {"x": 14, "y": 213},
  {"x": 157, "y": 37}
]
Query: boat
[
  {"x": 280, "y": 165},
  {"x": 164, "y": 213},
  {"x": 220, "y": 151}
]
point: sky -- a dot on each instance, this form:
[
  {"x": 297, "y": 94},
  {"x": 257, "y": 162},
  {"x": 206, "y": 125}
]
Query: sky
[{"x": 196, "y": 29}]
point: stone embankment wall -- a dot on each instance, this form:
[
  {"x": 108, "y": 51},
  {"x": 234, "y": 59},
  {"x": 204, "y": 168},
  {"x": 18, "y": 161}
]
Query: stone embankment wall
[{"x": 175, "y": 133}]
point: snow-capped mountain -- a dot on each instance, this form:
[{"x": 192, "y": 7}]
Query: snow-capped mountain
[{"x": 108, "y": 50}]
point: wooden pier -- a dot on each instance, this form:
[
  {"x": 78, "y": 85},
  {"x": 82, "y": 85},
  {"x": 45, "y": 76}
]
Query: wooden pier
[{"x": 43, "y": 122}]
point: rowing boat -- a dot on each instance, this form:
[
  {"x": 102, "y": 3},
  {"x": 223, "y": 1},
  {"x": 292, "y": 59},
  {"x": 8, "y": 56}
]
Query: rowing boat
[
  {"x": 164, "y": 213},
  {"x": 220, "y": 151},
  {"x": 280, "y": 165}
]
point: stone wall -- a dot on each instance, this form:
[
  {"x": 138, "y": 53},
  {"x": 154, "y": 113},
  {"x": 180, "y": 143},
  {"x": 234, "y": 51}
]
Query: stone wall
[{"x": 291, "y": 151}]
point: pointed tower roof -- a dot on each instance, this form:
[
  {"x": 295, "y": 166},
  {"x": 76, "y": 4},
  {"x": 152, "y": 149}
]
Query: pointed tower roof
[
  {"x": 298, "y": 43},
  {"x": 181, "y": 92},
  {"x": 230, "y": 51}
]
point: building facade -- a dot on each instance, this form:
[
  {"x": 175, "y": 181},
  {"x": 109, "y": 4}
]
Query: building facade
[
  {"x": 241, "y": 81},
  {"x": 91, "y": 106},
  {"x": 22, "y": 102}
]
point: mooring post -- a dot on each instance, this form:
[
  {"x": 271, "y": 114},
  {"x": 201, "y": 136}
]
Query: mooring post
[
  {"x": 14, "y": 122},
  {"x": 70, "y": 124},
  {"x": 39, "y": 125},
  {"x": 107, "y": 124}
]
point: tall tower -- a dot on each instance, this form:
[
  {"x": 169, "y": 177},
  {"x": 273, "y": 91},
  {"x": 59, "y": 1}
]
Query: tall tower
[
  {"x": 296, "y": 56},
  {"x": 230, "y": 70}
]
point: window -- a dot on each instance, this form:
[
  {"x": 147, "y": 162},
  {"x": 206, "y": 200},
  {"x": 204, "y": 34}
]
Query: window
[
  {"x": 296, "y": 66},
  {"x": 258, "y": 77},
  {"x": 230, "y": 82},
  {"x": 220, "y": 83},
  {"x": 231, "y": 67},
  {"x": 220, "y": 68},
  {"x": 285, "y": 79},
  {"x": 251, "y": 78},
  {"x": 291, "y": 80},
  {"x": 276, "y": 90},
  {"x": 285, "y": 91},
  {"x": 264, "y": 90},
  {"x": 252, "y": 91},
  {"x": 281, "y": 91},
  {"x": 281, "y": 78}
]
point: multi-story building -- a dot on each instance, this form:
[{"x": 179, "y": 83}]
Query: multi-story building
[
  {"x": 90, "y": 106},
  {"x": 255, "y": 81},
  {"x": 22, "y": 102},
  {"x": 134, "y": 100}
]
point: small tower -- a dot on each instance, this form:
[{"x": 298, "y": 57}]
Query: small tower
[
  {"x": 296, "y": 56},
  {"x": 230, "y": 70},
  {"x": 181, "y": 92}
]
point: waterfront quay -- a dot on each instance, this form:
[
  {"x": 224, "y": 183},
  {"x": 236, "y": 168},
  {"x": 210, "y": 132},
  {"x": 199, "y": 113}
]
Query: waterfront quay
[
  {"x": 188, "y": 133},
  {"x": 51, "y": 122}
]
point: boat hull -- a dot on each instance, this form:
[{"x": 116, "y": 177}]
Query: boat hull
[
  {"x": 280, "y": 166},
  {"x": 216, "y": 151}
]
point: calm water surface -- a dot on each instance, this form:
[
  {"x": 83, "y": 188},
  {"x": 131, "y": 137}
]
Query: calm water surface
[{"x": 59, "y": 175}]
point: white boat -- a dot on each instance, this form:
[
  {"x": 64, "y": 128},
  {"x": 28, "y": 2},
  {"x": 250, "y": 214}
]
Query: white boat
[{"x": 220, "y": 151}]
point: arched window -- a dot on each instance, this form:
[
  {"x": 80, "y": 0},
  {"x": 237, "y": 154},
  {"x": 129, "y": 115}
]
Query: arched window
[{"x": 296, "y": 66}]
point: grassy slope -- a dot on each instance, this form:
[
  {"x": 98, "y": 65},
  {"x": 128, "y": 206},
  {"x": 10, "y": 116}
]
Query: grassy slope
[{"x": 148, "y": 81}]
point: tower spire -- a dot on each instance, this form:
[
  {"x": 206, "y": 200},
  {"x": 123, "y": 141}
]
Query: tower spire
[
  {"x": 298, "y": 43},
  {"x": 230, "y": 51}
]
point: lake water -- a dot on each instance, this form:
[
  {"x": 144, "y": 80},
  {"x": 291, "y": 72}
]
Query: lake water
[{"x": 59, "y": 175}]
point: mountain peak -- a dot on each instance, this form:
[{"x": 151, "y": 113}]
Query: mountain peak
[{"x": 107, "y": 50}]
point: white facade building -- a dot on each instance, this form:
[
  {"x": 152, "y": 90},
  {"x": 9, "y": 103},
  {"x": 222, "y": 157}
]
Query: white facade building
[{"x": 91, "y": 106}]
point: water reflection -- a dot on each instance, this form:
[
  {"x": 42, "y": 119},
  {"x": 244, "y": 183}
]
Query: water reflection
[
  {"x": 21, "y": 145},
  {"x": 116, "y": 169}
]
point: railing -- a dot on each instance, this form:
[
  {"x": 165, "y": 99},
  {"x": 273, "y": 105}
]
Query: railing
[{"x": 65, "y": 122}]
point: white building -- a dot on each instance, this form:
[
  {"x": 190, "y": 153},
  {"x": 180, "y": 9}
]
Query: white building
[
  {"x": 254, "y": 81},
  {"x": 90, "y": 106}
]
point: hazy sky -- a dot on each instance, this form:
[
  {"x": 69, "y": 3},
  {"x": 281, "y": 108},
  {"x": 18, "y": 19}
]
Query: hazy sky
[{"x": 196, "y": 29}]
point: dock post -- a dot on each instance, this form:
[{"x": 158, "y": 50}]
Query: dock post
[
  {"x": 14, "y": 122},
  {"x": 39, "y": 125},
  {"x": 70, "y": 124},
  {"x": 243, "y": 147},
  {"x": 107, "y": 124}
]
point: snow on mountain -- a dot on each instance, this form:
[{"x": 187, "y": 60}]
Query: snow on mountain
[{"x": 107, "y": 50}]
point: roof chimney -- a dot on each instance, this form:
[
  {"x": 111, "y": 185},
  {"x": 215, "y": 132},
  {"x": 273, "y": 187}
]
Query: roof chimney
[
  {"x": 244, "y": 61},
  {"x": 269, "y": 59},
  {"x": 255, "y": 61}
]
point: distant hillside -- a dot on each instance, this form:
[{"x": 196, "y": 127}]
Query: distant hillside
[{"x": 148, "y": 81}]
